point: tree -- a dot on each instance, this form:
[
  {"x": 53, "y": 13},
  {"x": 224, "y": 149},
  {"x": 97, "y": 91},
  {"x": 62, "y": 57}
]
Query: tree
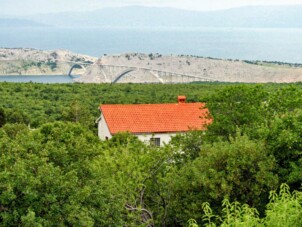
[
  {"x": 186, "y": 147},
  {"x": 132, "y": 166},
  {"x": 235, "y": 107},
  {"x": 285, "y": 143},
  {"x": 283, "y": 209},
  {"x": 78, "y": 112},
  {"x": 61, "y": 174},
  {"x": 17, "y": 116},
  {"x": 284, "y": 100},
  {"x": 46, "y": 178},
  {"x": 2, "y": 117},
  {"x": 240, "y": 170}
]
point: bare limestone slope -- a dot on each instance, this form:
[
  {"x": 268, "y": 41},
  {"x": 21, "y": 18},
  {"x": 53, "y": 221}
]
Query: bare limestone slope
[
  {"x": 214, "y": 69},
  {"x": 25, "y": 61},
  {"x": 28, "y": 61}
]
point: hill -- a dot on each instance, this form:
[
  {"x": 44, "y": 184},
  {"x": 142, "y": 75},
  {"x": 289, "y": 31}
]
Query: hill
[
  {"x": 212, "y": 69},
  {"x": 28, "y": 61},
  {"x": 12, "y": 22}
]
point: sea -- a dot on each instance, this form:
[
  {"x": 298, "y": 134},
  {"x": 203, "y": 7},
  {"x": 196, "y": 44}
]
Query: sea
[
  {"x": 267, "y": 44},
  {"x": 45, "y": 79}
]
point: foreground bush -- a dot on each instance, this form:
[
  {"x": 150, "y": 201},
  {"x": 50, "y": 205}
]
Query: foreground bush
[{"x": 284, "y": 210}]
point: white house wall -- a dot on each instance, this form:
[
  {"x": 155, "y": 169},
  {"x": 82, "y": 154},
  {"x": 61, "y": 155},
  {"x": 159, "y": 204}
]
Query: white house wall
[
  {"x": 164, "y": 137},
  {"x": 104, "y": 133},
  {"x": 103, "y": 130}
]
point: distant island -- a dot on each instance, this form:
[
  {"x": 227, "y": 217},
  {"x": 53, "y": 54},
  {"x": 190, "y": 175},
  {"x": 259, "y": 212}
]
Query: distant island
[
  {"x": 158, "y": 17},
  {"x": 17, "y": 23},
  {"x": 145, "y": 68}
]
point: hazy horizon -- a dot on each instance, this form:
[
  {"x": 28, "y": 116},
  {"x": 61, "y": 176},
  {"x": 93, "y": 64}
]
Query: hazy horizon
[
  {"x": 64, "y": 31},
  {"x": 22, "y": 8}
]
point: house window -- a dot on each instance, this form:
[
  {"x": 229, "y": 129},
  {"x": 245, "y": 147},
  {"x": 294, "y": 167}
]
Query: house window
[{"x": 155, "y": 142}]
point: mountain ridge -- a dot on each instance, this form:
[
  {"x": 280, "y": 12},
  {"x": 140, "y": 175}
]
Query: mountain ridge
[
  {"x": 16, "y": 22},
  {"x": 288, "y": 16}
]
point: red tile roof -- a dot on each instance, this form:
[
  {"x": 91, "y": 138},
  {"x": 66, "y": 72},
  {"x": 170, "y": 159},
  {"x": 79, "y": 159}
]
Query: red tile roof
[{"x": 155, "y": 118}]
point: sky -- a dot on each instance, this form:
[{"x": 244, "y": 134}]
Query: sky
[{"x": 27, "y": 7}]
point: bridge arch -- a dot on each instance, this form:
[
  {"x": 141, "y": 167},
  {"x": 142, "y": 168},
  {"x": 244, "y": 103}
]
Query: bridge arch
[
  {"x": 122, "y": 74},
  {"x": 73, "y": 67}
]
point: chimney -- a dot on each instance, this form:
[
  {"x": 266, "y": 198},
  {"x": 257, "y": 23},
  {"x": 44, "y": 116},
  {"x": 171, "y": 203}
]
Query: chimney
[{"x": 181, "y": 99}]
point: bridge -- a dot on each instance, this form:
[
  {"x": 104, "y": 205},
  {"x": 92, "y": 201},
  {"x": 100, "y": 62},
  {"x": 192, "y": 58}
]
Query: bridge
[
  {"x": 115, "y": 74},
  {"x": 53, "y": 63},
  {"x": 75, "y": 65}
]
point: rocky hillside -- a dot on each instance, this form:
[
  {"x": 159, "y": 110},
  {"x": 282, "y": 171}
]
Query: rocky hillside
[
  {"x": 21, "y": 61},
  {"x": 26, "y": 61},
  {"x": 213, "y": 69}
]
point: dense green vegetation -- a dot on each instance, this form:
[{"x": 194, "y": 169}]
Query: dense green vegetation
[
  {"x": 36, "y": 104},
  {"x": 55, "y": 171},
  {"x": 284, "y": 209}
]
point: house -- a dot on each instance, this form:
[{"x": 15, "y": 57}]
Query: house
[{"x": 154, "y": 123}]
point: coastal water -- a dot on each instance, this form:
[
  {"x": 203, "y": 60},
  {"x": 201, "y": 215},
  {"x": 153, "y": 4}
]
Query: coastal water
[
  {"x": 46, "y": 79},
  {"x": 283, "y": 45}
]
